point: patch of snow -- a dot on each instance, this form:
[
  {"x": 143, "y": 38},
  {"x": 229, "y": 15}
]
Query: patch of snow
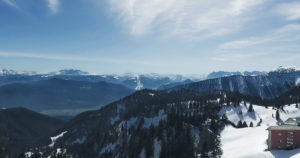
[
  {"x": 142, "y": 154},
  {"x": 108, "y": 148},
  {"x": 286, "y": 68},
  {"x": 127, "y": 124},
  {"x": 55, "y": 138},
  {"x": 156, "y": 148},
  {"x": 139, "y": 83},
  {"x": 79, "y": 140},
  {"x": 151, "y": 94},
  {"x": 235, "y": 114},
  {"x": 114, "y": 119},
  {"x": 251, "y": 142},
  {"x": 298, "y": 82},
  {"x": 60, "y": 151},
  {"x": 154, "y": 120},
  {"x": 231, "y": 86},
  {"x": 28, "y": 154},
  {"x": 195, "y": 133},
  {"x": 131, "y": 121},
  {"x": 116, "y": 77}
]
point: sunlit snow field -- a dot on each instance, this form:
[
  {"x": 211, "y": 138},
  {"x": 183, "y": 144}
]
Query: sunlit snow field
[{"x": 251, "y": 142}]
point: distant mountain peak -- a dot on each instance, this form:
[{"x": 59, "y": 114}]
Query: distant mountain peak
[
  {"x": 287, "y": 69},
  {"x": 4, "y": 72},
  {"x": 71, "y": 72},
  {"x": 218, "y": 74}
]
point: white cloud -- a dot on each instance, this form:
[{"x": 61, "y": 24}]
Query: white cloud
[
  {"x": 10, "y": 3},
  {"x": 288, "y": 29},
  {"x": 290, "y": 10},
  {"x": 13, "y": 4},
  {"x": 53, "y": 5},
  {"x": 239, "y": 44},
  {"x": 280, "y": 44},
  {"x": 185, "y": 18},
  {"x": 69, "y": 57},
  {"x": 287, "y": 33}
]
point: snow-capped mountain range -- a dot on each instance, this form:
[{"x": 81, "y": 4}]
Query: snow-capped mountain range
[
  {"x": 5, "y": 72},
  {"x": 131, "y": 80},
  {"x": 106, "y": 88},
  {"x": 198, "y": 116},
  {"x": 219, "y": 74},
  {"x": 269, "y": 85}
]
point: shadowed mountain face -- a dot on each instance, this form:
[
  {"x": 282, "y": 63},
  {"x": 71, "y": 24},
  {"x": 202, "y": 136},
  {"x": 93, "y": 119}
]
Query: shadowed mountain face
[
  {"x": 265, "y": 86},
  {"x": 170, "y": 85},
  {"x": 21, "y": 128},
  {"x": 58, "y": 94},
  {"x": 134, "y": 124}
]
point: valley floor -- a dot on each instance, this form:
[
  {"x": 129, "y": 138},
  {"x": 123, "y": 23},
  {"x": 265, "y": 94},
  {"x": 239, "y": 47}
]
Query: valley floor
[{"x": 251, "y": 142}]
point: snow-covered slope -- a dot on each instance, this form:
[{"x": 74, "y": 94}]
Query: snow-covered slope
[
  {"x": 251, "y": 142},
  {"x": 219, "y": 74},
  {"x": 267, "y": 86},
  {"x": 298, "y": 81}
]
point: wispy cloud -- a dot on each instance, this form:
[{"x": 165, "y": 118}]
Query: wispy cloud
[
  {"x": 53, "y": 6},
  {"x": 283, "y": 40},
  {"x": 185, "y": 18},
  {"x": 289, "y": 32},
  {"x": 290, "y": 10},
  {"x": 13, "y": 4},
  {"x": 69, "y": 57}
]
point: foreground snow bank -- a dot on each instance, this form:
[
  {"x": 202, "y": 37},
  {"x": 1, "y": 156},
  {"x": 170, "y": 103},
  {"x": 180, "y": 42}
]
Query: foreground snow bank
[{"x": 251, "y": 142}]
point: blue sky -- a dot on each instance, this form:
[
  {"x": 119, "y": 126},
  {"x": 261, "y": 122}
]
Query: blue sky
[{"x": 162, "y": 36}]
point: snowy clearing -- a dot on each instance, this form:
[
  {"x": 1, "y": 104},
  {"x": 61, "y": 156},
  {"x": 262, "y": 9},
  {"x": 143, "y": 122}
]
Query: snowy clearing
[
  {"x": 54, "y": 139},
  {"x": 154, "y": 120},
  {"x": 108, "y": 148},
  {"x": 156, "y": 148}
]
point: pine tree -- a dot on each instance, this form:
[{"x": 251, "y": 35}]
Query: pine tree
[
  {"x": 22, "y": 155},
  {"x": 3, "y": 153},
  {"x": 277, "y": 115},
  {"x": 245, "y": 124},
  {"x": 250, "y": 109},
  {"x": 251, "y": 124},
  {"x": 240, "y": 124},
  {"x": 204, "y": 150},
  {"x": 213, "y": 126},
  {"x": 36, "y": 155}
]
